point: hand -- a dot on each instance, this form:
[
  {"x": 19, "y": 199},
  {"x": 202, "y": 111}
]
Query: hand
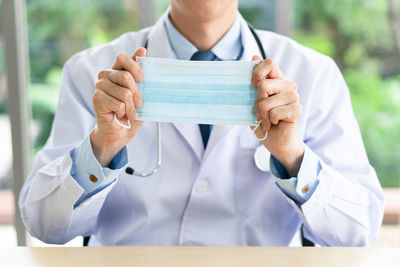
[
  {"x": 278, "y": 107},
  {"x": 116, "y": 92}
]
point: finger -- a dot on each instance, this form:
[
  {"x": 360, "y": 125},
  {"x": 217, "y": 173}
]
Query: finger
[
  {"x": 125, "y": 62},
  {"x": 290, "y": 113},
  {"x": 281, "y": 99},
  {"x": 266, "y": 69},
  {"x": 103, "y": 74},
  {"x": 267, "y": 104},
  {"x": 263, "y": 116},
  {"x": 270, "y": 87},
  {"x": 125, "y": 79},
  {"x": 256, "y": 58},
  {"x": 120, "y": 93},
  {"x": 107, "y": 104},
  {"x": 140, "y": 52}
]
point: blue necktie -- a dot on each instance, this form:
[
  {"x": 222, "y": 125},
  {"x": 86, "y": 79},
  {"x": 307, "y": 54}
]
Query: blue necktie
[{"x": 205, "y": 129}]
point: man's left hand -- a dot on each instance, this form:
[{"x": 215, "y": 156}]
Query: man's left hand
[{"x": 278, "y": 107}]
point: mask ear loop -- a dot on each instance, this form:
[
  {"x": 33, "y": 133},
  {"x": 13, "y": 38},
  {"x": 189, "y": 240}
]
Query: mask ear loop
[
  {"x": 255, "y": 129},
  {"x": 121, "y": 124}
]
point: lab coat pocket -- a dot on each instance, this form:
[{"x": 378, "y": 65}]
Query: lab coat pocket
[{"x": 255, "y": 191}]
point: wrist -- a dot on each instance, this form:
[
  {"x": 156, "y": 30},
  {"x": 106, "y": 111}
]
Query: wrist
[
  {"x": 103, "y": 150},
  {"x": 291, "y": 157}
]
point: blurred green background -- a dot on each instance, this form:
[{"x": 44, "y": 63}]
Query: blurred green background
[{"x": 358, "y": 35}]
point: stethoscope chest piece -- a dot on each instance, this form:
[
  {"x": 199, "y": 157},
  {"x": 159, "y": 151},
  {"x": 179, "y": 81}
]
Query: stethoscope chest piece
[{"x": 261, "y": 158}]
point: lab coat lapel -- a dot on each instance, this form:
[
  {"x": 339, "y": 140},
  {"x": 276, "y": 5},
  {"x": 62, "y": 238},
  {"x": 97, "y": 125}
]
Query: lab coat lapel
[
  {"x": 191, "y": 133},
  {"x": 159, "y": 46},
  {"x": 217, "y": 135}
]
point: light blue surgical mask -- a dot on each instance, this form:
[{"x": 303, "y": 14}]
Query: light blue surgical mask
[{"x": 201, "y": 92}]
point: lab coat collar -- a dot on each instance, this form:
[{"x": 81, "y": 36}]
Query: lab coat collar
[
  {"x": 159, "y": 46},
  {"x": 250, "y": 47}
]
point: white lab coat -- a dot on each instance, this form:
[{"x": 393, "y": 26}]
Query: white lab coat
[{"x": 213, "y": 197}]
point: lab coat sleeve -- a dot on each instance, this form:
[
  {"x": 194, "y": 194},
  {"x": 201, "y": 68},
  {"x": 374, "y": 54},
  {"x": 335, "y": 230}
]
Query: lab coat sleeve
[
  {"x": 346, "y": 208},
  {"x": 85, "y": 164},
  {"x": 48, "y": 196}
]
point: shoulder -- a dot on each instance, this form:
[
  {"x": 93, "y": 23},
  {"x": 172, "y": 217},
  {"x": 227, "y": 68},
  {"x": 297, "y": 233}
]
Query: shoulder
[
  {"x": 318, "y": 78},
  {"x": 291, "y": 55},
  {"x": 101, "y": 57},
  {"x": 301, "y": 64}
]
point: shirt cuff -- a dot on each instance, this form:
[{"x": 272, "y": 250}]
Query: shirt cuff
[
  {"x": 300, "y": 188},
  {"x": 88, "y": 172}
]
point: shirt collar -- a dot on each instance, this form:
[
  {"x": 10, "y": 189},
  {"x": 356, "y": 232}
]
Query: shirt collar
[{"x": 228, "y": 48}]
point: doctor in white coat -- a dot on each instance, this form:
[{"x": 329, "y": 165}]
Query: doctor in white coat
[{"x": 315, "y": 173}]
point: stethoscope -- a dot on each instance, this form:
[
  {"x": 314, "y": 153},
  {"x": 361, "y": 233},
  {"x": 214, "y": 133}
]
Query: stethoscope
[{"x": 261, "y": 154}]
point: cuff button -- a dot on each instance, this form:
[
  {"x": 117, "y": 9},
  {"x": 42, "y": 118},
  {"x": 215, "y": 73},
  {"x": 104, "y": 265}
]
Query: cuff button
[
  {"x": 93, "y": 178},
  {"x": 305, "y": 189}
]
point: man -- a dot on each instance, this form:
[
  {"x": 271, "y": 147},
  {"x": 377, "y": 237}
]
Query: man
[{"x": 208, "y": 190}]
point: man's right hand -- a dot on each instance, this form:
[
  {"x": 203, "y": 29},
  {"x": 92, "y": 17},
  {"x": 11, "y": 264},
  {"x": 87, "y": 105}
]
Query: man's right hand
[{"x": 116, "y": 93}]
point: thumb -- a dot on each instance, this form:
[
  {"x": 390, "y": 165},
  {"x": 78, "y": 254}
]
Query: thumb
[
  {"x": 256, "y": 58},
  {"x": 140, "y": 52}
]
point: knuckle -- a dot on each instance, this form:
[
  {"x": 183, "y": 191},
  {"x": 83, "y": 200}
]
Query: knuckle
[
  {"x": 125, "y": 77},
  {"x": 121, "y": 107},
  {"x": 294, "y": 95},
  {"x": 102, "y": 74},
  {"x": 96, "y": 96},
  {"x": 100, "y": 84},
  {"x": 261, "y": 85},
  {"x": 265, "y": 90},
  {"x": 262, "y": 106},
  {"x": 273, "y": 116},
  {"x": 297, "y": 97},
  {"x": 299, "y": 109},
  {"x": 135, "y": 65},
  {"x": 271, "y": 63},
  {"x": 121, "y": 56},
  {"x": 259, "y": 75},
  {"x": 127, "y": 95},
  {"x": 291, "y": 85},
  {"x": 274, "y": 113}
]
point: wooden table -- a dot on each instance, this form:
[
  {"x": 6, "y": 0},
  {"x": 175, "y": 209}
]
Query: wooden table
[{"x": 198, "y": 256}]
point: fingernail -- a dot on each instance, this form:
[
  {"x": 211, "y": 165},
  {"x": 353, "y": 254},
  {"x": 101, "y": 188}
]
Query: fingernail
[
  {"x": 141, "y": 77},
  {"x": 138, "y": 103}
]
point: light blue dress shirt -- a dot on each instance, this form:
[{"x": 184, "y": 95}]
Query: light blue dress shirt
[{"x": 229, "y": 47}]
